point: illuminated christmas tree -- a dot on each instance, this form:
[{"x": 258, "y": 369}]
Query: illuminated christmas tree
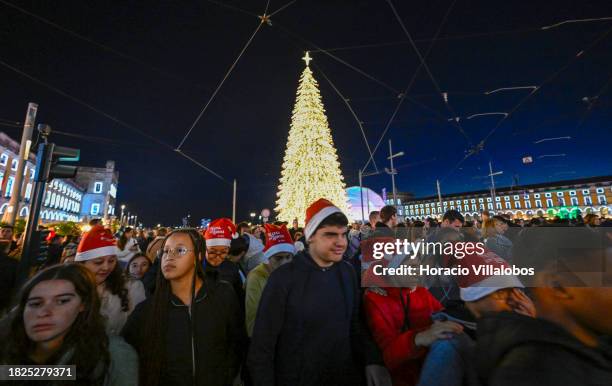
[{"x": 310, "y": 168}]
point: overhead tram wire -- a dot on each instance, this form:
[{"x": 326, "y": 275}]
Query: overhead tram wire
[
  {"x": 528, "y": 96},
  {"x": 426, "y": 67},
  {"x": 425, "y": 40},
  {"x": 546, "y": 81},
  {"x": 109, "y": 49},
  {"x": 229, "y": 71},
  {"x": 306, "y": 42},
  {"x": 396, "y": 93},
  {"x": 104, "y": 47},
  {"x": 348, "y": 105},
  {"x": 282, "y": 8},
  {"x": 96, "y": 110},
  {"x": 410, "y": 84},
  {"x": 234, "y": 8},
  {"x": 602, "y": 90}
]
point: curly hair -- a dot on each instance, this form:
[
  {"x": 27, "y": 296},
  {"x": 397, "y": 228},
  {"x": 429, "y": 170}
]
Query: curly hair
[{"x": 86, "y": 342}]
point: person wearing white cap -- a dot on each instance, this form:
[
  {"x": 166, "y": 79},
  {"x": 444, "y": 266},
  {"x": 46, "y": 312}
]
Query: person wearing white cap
[{"x": 97, "y": 252}]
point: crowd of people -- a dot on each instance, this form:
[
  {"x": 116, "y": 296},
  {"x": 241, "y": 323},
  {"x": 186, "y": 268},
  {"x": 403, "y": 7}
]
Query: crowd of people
[{"x": 273, "y": 304}]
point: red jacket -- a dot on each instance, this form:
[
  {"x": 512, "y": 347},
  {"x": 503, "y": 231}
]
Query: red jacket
[{"x": 385, "y": 316}]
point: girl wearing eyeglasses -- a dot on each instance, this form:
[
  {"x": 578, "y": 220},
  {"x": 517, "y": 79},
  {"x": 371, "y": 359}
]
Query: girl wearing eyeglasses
[
  {"x": 58, "y": 322},
  {"x": 190, "y": 332}
]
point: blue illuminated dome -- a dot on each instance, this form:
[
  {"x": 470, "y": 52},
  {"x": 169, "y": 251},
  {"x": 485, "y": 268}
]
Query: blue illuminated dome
[{"x": 371, "y": 201}]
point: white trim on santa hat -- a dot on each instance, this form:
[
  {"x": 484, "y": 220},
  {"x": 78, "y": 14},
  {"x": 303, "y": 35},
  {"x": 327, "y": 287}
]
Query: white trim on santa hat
[
  {"x": 321, "y": 215},
  {"x": 95, "y": 253},
  {"x": 488, "y": 286},
  {"x": 278, "y": 248},
  {"x": 221, "y": 242}
]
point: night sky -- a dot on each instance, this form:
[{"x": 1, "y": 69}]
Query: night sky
[{"x": 154, "y": 67}]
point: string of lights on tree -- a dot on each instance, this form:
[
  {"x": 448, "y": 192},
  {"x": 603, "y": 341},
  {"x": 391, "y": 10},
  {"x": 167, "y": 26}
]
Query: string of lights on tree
[{"x": 311, "y": 169}]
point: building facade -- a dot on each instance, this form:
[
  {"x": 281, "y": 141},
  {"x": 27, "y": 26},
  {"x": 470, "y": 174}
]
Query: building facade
[
  {"x": 92, "y": 193},
  {"x": 100, "y": 186},
  {"x": 565, "y": 199}
]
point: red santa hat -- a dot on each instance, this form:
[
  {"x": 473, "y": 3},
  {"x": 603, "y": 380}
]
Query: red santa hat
[
  {"x": 278, "y": 240},
  {"x": 220, "y": 232},
  {"x": 316, "y": 213},
  {"x": 474, "y": 287},
  {"x": 96, "y": 243}
]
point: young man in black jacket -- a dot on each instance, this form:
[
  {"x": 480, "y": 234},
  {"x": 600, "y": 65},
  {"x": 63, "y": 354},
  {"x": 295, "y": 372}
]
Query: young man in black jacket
[
  {"x": 565, "y": 344},
  {"x": 308, "y": 329}
]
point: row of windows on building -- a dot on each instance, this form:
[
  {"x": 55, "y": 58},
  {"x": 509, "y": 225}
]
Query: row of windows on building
[
  {"x": 58, "y": 201},
  {"x": 472, "y": 205},
  {"x": 51, "y": 215},
  {"x": 516, "y": 197},
  {"x": 9, "y": 187}
]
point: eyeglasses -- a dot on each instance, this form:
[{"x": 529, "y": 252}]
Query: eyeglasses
[
  {"x": 210, "y": 253},
  {"x": 179, "y": 251}
]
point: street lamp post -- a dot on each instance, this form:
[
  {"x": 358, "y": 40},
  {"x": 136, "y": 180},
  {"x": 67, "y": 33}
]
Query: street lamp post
[
  {"x": 122, "y": 211},
  {"x": 392, "y": 171},
  {"x": 491, "y": 174}
]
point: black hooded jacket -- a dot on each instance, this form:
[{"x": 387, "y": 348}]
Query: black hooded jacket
[
  {"x": 218, "y": 336},
  {"x": 513, "y": 349},
  {"x": 308, "y": 330}
]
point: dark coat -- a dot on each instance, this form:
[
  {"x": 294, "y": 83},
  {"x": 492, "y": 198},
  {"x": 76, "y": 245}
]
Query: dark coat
[
  {"x": 513, "y": 349},
  {"x": 218, "y": 332},
  {"x": 8, "y": 280},
  {"x": 308, "y": 329}
]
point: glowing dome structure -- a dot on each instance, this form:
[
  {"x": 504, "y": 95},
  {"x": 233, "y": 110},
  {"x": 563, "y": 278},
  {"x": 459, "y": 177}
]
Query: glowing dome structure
[{"x": 371, "y": 201}]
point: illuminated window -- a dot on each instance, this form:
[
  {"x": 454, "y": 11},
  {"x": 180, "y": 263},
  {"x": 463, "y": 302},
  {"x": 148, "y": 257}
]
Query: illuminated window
[
  {"x": 549, "y": 203},
  {"x": 9, "y": 186},
  {"x": 559, "y": 194},
  {"x": 600, "y": 190},
  {"x": 28, "y": 191},
  {"x": 498, "y": 205},
  {"x": 528, "y": 204},
  {"x": 572, "y": 192},
  {"x": 587, "y": 200},
  {"x": 98, "y": 187},
  {"x": 517, "y": 205},
  {"x": 3, "y": 159},
  {"x": 95, "y": 209},
  {"x": 602, "y": 200},
  {"x": 508, "y": 205},
  {"x": 574, "y": 201},
  {"x": 14, "y": 164},
  {"x": 538, "y": 203},
  {"x": 586, "y": 191}
]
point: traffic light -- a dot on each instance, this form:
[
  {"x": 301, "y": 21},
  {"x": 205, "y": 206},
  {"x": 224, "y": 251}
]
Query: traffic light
[
  {"x": 40, "y": 246},
  {"x": 63, "y": 154}
]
